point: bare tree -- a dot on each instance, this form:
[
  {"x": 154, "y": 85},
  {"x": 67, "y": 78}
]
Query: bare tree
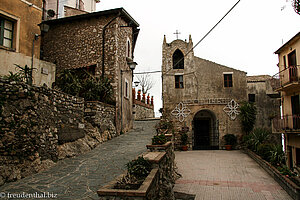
[{"x": 146, "y": 82}]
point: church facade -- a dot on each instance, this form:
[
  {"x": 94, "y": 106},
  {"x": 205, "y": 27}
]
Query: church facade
[{"x": 200, "y": 97}]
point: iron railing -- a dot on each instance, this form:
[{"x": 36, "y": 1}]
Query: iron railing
[
  {"x": 286, "y": 123},
  {"x": 289, "y": 75}
]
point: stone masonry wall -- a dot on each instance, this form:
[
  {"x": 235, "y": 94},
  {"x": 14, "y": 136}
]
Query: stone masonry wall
[{"x": 39, "y": 126}]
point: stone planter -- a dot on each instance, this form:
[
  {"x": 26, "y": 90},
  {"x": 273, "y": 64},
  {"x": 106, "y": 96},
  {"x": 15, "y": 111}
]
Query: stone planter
[
  {"x": 162, "y": 147},
  {"x": 146, "y": 191},
  {"x": 289, "y": 186}
]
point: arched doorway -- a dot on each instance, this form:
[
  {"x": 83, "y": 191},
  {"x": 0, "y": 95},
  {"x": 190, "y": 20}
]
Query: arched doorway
[{"x": 205, "y": 130}]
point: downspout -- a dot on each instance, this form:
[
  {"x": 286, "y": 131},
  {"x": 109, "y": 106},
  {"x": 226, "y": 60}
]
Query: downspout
[
  {"x": 103, "y": 41},
  {"x": 57, "y": 6}
]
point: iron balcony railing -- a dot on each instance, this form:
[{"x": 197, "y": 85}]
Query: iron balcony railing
[
  {"x": 289, "y": 75},
  {"x": 286, "y": 123}
]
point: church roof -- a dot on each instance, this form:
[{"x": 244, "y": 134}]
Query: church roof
[{"x": 258, "y": 78}]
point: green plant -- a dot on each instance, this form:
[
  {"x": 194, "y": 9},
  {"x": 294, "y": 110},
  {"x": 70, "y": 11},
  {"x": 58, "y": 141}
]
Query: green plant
[
  {"x": 83, "y": 84},
  {"x": 256, "y": 137},
  {"x": 159, "y": 139},
  {"x": 184, "y": 138},
  {"x": 277, "y": 156},
  {"x": 137, "y": 171},
  {"x": 139, "y": 168},
  {"x": 264, "y": 151},
  {"x": 284, "y": 170},
  {"x": 230, "y": 139},
  {"x": 247, "y": 116},
  {"x": 13, "y": 77}
]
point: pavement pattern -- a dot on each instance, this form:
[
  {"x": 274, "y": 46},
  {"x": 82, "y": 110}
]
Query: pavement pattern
[
  {"x": 225, "y": 175},
  {"x": 80, "y": 177}
]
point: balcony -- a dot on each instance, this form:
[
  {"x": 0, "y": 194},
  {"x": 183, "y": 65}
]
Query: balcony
[
  {"x": 287, "y": 79},
  {"x": 287, "y": 124}
]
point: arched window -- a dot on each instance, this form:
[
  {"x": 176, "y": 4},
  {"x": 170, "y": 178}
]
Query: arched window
[{"x": 178, "y": 60}]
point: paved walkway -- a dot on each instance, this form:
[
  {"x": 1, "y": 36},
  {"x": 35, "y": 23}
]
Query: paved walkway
[
  {"x": 82, "y": 176},
  {"x": 225, "y": 175}
]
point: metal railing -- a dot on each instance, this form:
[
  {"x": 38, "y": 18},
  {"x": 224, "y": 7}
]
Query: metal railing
[
  {"x": 289, "y": 75},
  {"x": 286, "y": 123}
]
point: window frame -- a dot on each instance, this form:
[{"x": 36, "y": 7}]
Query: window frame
[
  {"x": 2, "y": 32},
  {"x": 179, "y": 84},
  {"x": 228, "y": 82}
]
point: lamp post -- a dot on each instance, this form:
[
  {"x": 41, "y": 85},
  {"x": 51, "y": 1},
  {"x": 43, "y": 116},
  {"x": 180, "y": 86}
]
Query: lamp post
[{"x": 132, "y": 66}]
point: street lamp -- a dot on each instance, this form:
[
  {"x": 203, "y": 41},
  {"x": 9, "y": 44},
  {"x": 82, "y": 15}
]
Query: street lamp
[{"x": 136, "y": 83}]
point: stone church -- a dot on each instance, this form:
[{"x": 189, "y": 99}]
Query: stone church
[{"x": 200, "y": 97}]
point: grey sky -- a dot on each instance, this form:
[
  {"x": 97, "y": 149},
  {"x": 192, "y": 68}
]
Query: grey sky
[{"x": 246, "y": 39}]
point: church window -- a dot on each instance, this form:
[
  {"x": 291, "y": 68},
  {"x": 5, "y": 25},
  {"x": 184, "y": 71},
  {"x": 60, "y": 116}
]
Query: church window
[
  {"x": 251, "y": 97},
  {"x": 178, "y": 81},
  {"x": 178, "y": 60},
  {"x": 227, "y": 80}
]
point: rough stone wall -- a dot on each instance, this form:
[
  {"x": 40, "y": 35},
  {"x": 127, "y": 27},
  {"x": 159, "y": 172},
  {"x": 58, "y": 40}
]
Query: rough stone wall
[
  {"x": 267, "y": 107},
  {"x": 79, "y": 44},
  {"x": 142, "y": 110},
  {"x": 203, "y": 81},
  {"x": 39, "y": 126}
]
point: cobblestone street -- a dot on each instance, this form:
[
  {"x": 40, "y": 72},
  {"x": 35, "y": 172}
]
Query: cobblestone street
[
  {"x": 82, "y": 176},
  {"x": 225, "y": 175}
]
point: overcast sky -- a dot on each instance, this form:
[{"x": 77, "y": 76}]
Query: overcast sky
[{"x": 245, "y": 40}]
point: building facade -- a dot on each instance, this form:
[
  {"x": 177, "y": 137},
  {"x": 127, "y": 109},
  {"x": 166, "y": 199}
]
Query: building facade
[
  {"x": 102, "y": 43},
  {"x": 200, "y": 97},
  {"x": 289, "y": 86},
  {"x": 267, "y": 101},
  {"x": 20, "y": 39},
  {"x": 55, "y": 9}
]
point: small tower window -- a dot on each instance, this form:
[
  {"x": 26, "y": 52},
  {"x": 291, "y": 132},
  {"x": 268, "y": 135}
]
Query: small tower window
[
  {"x": 178, "y": 60},
  {"x": 128, "y": 49},
  {"x": 178, "y": 81}
]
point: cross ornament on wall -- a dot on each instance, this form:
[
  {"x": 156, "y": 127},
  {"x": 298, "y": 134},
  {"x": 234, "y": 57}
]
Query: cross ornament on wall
[{"x": 177, "y": 33}]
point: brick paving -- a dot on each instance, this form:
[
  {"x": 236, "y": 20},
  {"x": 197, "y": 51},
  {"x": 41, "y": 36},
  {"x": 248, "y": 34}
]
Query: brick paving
[
  {"x": 80, "y": 177},
  {"x": 225, "y": 175}
]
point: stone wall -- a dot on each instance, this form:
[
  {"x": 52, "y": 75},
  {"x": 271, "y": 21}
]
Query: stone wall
[
  {"x": 157, "y": 185},
  {"x": 39, "y": 126}
]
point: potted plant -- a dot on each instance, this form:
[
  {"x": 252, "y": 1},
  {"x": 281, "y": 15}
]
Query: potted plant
[
  {"x": 184, "y": 138},
  {"x": 230, "y": 140}
]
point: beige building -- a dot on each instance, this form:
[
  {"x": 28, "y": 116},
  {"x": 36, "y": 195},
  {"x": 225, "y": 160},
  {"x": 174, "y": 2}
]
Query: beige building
[
  {"x": 289, "y": 86},
  {"x": 199, "y": 96},
  {"x": 20, "y": 39},
  {"x": 63, "y": 8}
]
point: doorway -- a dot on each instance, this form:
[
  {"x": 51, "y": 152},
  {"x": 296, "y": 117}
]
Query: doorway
[{"x": 205, "y": 131}]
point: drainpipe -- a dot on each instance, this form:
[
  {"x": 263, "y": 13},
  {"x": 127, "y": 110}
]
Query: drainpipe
[
  {"x": 57, "y": 6},
  {"x": 36, "y": 36},
  {"x": 103, "y": 41}
]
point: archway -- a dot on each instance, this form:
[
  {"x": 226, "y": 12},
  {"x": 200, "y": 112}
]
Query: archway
[{"x": 205, "y": 130}]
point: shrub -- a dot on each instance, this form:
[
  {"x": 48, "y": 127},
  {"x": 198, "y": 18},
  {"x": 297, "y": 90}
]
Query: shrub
[
  {"x": 284, "y": 170},
  {"x": 159, "y": 139},
  {"x": 258, "y": 136},
  {"x": 264, "y": 151},
  {"x": 230, "y": 139},
  {"x": 277, "y": 156},
  {"x": 184, "y": 138},
  {"x": 137, "y": 171},
  {"x": 83, "y": 84},
  {"x": 247, "y": 116}
]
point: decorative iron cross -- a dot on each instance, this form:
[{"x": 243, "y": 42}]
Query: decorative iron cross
[{"x": 177, "y": 33}]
